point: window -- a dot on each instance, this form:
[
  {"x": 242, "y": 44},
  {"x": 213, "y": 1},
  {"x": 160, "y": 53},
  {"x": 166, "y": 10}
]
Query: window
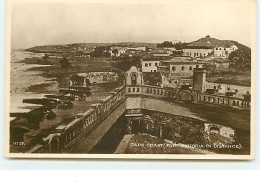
[
  {"x": 190, "y": 68},
  {"x": 182, "y": 68},
  {"x": 150, "y": 64},
  {"x": 154, "y": 70},
  {"x": 173, "y": 68},
  {"x": 155, "y": 64},
  {"x": 216, "y": 48},
  {"x": 146, "y": 65},
  {"x": 133, "y": 79}
]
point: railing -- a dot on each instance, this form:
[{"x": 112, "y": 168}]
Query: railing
[
  {"x": 231, "y": 101},
  {"x": 175, "y": 94},
  {"x": 65, "y": 134},
  {"x": 152, "y": 91}
]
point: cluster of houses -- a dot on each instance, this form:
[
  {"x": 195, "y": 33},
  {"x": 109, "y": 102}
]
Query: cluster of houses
[
  {"x": 178, "y": 71},
  {"x": 176, "y": 66},
  {"x": 131, "y": 51},
  {"x": 203, "y": 48}
]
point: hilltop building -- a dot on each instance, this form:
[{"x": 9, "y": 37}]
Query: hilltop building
[
  {"x": 224, "y": 52},
  {"x": 208, "y": 46}
]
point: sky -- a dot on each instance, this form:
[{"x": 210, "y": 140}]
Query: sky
[{"x": 34, "y": 24}]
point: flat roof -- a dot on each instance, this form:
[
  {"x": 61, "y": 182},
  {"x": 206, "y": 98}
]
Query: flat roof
[{"x": 183, "y": 63}]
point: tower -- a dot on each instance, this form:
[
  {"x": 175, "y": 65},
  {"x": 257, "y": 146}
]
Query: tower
[
  {"x": 199, "y": 79},
  {"x": 134, "y": 82}
]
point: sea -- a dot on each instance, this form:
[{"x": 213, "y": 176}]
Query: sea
[{"x": 22, "y": 79}]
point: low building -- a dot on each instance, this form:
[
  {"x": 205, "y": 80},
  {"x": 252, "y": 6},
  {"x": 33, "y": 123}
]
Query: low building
[
  {"x": 178, "y": 67},
  {"x": 139, "y": 48},
  {"x": 183, "y": 68},
  {"x": 223, "y": 52},
  {"x": 196, "y": 52},
  {"x": 100, "y": 77},
  {"x": 150, "y": 65},
  {"x": 117, "y": 51},
  {"x": 161, "y": 52},
  {"x": 178, "y": 72}
]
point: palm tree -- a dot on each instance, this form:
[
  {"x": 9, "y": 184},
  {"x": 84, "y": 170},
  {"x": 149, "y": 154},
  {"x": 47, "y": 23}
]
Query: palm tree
[
  {"x": 45, "y": 57},
  {"x": 64, "y": 62}
]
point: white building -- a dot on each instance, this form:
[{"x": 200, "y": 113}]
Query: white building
[
  {"x": 150, "y": 66},
  {"x": 117, "y": 51},
  {"x": 183, "y": 68},
  {"x": 197, "y": 52},
  {"x": 140, "y": 48},
  {"x": 223, "y": 52},
  {"x": 209, "y": 46}
]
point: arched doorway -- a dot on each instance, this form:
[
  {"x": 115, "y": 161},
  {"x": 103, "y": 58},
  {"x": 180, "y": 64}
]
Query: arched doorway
[
  {"x": 186, "y": 96},
  {"x": 54, "y": 145},
  {"x": 133, "y": 79}
]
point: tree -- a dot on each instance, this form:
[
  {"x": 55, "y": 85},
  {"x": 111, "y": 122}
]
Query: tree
[
  {"x": 101, "y": 51},
  {"x": 180, "y": 45},
  {"x": 65, "y": 64},
  {"x": 165, "y": 44},
  {"x": 115, "y": 52},
  {"x": 169, "y": 44},
  {"x": 45, "y": 57},
  {"x": 124, "y": 63},
  {"x": 240, "y": 60}
]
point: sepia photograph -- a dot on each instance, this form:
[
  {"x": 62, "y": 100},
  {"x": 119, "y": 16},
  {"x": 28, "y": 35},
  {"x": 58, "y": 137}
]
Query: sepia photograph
[{"x": 131, "y": 80}]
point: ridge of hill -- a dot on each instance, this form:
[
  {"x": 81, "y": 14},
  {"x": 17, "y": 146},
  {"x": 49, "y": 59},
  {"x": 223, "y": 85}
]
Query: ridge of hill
[{"x": 210, "y": 43}]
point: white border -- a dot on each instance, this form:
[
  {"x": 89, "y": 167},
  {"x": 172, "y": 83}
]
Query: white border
[{"x": 129, "y": 156}]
